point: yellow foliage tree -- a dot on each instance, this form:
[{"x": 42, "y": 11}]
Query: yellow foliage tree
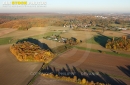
[
  {"x": 75, "y": 79},
  {"x": 83, "y": 81}
]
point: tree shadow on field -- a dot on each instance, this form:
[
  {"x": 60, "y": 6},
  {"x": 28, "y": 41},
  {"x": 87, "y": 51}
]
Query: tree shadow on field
[
  {"x": 80, "y": 74},
  {"x": 110, "y": 80},
  {"x": 125, "y": 70},
  {"x": 35, "y": 41},
  {"x": 101, "y": 39}
]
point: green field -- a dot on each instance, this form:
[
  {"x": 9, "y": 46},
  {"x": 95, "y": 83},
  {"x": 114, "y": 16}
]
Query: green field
[
  {"x": 45, "y": 35},
  {"x": 91, "y": 40},
  {"x": 105, "y": 52},
  {"x": 99, "y": 39},
  {"x": 5, "y": 40}
]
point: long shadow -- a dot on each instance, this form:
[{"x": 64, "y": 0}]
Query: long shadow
[
  {"x": 89, "y": 76},
  {"x": 110, "y": 80},
  {"x": 128, "y": 66},
  {"x": 94, "y": 76},
  {"x": 125, "y": 70},
  {"x": 37, "y": 42},
  {"x": 101, "y": 39}
]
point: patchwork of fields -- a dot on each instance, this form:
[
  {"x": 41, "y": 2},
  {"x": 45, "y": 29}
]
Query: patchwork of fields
[{"x": 18, "y": 73}]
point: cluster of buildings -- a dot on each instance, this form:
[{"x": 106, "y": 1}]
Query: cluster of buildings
[
  {"x": 122, "y": 28},
  {"x": 77, "y": 25},
  {"x": 101, "y": 17}
]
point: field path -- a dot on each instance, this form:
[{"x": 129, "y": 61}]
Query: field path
[
  {"x": 6, "y": 31},
  {"x": 48, "y": 81}
]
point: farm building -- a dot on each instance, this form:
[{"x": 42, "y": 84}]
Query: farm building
[{"x": 122, "y": 28}]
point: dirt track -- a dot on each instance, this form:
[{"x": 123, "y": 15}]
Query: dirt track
[
  {"x": 47, "y": 81},
  {"x": 13, "y": 72},
  {"x": 90, "y": 61},
  {"x": 6, "y": 31}
]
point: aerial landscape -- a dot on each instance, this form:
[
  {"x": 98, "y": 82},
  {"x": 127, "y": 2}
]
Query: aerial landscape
[{"x": 77, "y": 44}]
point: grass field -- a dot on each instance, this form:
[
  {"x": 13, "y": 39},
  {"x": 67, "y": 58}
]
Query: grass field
[
  {"x": 45, "y": 35},
  {"x": 91, "y": 40},
  {"x": 5, "y": 40},
  {"x": 20, "y": 34},
  {"x": 104, "y": 52},
  {"x": 99, "y": 39},
  {"x": 56, "y": 28}
]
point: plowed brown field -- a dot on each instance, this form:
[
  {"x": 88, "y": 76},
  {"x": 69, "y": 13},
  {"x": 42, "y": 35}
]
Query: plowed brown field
[
  {"x": 97, "y": 62},
  {"x": 13, "y": 72}
]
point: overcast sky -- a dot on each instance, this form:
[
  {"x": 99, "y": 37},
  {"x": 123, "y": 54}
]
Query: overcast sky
[{"x": 71, "y": 6}]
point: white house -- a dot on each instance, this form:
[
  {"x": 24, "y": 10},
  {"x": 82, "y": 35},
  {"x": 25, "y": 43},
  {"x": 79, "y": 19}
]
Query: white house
[{"x": 122, "y": 28}]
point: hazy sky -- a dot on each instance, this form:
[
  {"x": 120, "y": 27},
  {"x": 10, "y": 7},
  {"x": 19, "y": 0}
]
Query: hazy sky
[{"x": 72, "y": 6}]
